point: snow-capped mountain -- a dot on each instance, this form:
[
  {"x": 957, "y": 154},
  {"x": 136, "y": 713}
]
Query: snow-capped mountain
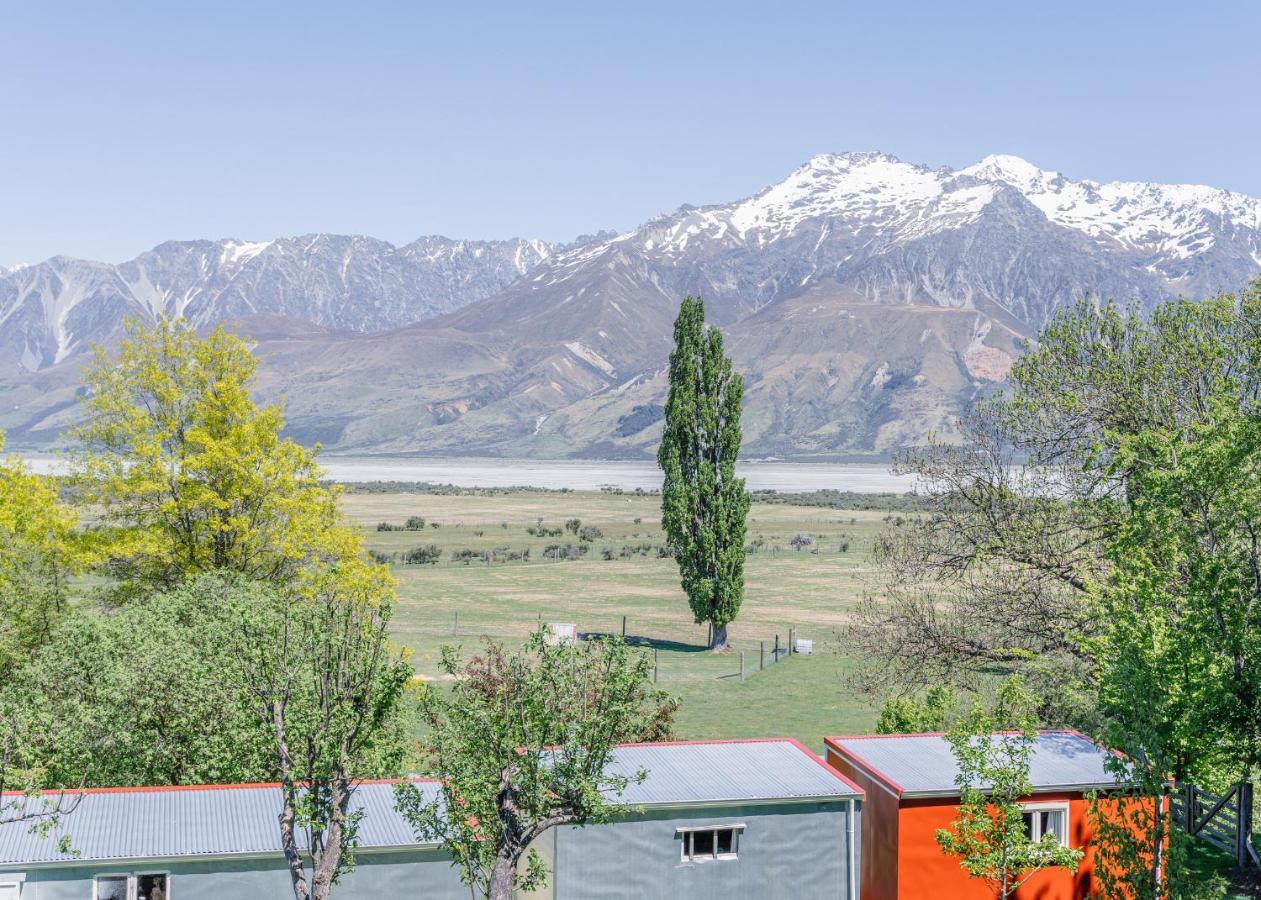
[
  {"x": 866, "y": 299},
  {"x": 54, "y": 310}
]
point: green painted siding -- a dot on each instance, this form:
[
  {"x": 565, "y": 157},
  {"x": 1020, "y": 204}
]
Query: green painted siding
[{"x": 790, "y": 851}]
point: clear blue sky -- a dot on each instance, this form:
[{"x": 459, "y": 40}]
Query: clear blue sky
[{"x": 125, "y": 124}]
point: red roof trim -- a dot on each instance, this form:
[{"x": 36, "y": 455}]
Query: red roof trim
[
  {"x": 831, "y": 771},
  {"x": 832, "y": 743}
]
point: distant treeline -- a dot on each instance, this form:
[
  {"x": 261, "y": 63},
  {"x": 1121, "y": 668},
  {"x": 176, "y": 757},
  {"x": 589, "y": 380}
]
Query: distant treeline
[
  {"x": 830, "y": 499},
  {"x": 888, "y": 502},
  {"x": 429, "y": 487}
]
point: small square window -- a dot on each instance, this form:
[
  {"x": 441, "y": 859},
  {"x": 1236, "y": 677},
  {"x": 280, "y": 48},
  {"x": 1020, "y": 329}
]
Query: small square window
[
  {"x": 151, "y": 887},
  {"x": 703, "y": 844},
  {"x": 1044, "y": 820}
]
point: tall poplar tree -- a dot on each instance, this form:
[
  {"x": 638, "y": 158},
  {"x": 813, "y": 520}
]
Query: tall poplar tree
[{"x": 703, "y": 504}]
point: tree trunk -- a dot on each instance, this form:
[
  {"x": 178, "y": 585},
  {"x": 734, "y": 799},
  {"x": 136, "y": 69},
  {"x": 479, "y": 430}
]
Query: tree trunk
[
  {"x": 499, "y": 887},
  {"x": 718, "y": 638}
]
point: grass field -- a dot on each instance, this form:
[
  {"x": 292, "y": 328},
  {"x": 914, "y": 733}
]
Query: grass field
[{"x": 810, "y": 591}]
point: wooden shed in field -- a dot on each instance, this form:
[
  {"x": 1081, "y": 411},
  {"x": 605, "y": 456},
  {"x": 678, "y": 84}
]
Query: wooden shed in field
[{"x": 909, "y": 780}]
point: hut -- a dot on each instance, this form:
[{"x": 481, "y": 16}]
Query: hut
[
  {"x": 724, "y": 819},
  {"x": 909, "y": 780},
  {"x": 717, "y": 820}
]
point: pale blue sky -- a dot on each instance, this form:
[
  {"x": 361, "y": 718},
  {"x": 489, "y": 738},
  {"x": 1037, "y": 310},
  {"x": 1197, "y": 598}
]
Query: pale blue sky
[{"x": 125, "y": 124}]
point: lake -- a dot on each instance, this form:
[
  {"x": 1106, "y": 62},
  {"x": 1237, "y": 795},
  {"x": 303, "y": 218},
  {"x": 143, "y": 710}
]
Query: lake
[{"x": 581, "y": 475}]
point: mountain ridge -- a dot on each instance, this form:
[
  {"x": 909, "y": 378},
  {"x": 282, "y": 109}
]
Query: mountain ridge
[{"x": 868, "y": 301}]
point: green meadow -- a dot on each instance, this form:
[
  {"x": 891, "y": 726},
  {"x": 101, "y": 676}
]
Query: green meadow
[{"x": 485, "y": 585}]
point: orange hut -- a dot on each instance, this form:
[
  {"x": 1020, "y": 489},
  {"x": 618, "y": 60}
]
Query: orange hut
[{"x": 909, "y": 780}]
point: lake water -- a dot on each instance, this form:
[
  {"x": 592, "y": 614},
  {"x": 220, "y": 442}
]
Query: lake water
[{"x": 582, "y": 475}]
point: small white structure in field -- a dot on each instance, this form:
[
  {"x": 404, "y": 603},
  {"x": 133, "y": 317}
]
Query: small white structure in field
[
  {"x": 804, "y": 646},
  {"x": 560, "y": 633}
]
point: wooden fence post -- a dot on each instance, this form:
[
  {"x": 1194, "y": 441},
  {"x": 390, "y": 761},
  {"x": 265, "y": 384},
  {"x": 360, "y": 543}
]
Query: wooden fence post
[
  {"x": 654, "y": 665},
  {"x": 623, "y": 627},
  {"x": 742, "y": 665},
  {"x": 1243, "y": 824},
  {"x": 791, "y": 634},
  {"x": 776, "y": 654},
  {"x": 761, "y": 655}
]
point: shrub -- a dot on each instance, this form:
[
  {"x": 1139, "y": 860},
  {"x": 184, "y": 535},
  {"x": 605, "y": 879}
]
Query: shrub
[
  {"x": 801, "y": 540},
  {"x": 378, "y": 556},
  {"x": 415, "y": 523},
  {"x": 572, "y": 525},
  {"x": 590, "y": 533},
  {"x": 426, "y": 555},
  {"x": 386, "y": 526}
]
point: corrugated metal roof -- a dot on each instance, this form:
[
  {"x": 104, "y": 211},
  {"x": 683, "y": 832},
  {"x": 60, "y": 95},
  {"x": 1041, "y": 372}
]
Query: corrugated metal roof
[
  {"x": 157, "y": 823},
  {"x": 919, "y": 764},
  {"x": 161, "y": 823},
  {"x": 712, "y": 772}
]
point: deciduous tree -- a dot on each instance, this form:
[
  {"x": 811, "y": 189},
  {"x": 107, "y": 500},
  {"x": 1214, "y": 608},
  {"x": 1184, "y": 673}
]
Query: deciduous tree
[
  {"x": 703, "y": 504},
  {"x": 191, "y": 473},
  {"x": 989, "y": 834},
  {"x": 522, "y": 744},
  {"x": 327, "y": 685}
]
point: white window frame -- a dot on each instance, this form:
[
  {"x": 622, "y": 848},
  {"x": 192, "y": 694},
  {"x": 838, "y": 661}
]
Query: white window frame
[
  {"x": 686, "y": 833},
  {"x": 133, "y": 881},
  {"x": 1060, "y": 806}
]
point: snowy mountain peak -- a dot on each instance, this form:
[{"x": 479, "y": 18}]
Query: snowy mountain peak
[
  {"x": 1013, "y": 170},
  {"x": 1173, "y": 221}
]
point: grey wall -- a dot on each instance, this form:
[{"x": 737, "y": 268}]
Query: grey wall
[
  {"x": 378, "y": 876},
  {"x": 790, "y": 851}
]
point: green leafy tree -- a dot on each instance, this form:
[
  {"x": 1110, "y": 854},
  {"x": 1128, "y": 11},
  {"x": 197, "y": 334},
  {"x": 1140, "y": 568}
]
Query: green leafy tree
[
  {"x": 522, "y": 744},
  {"x": 913, "y": 715},
  {"x": 190, "y": 474},
  {"x": 703, "y": 504},
  {"x": 152, "y": 693},
  {"x": 988, "y": 835},
  {"x": 41, "y": 551},
  {"x": 327, "y": 686}
]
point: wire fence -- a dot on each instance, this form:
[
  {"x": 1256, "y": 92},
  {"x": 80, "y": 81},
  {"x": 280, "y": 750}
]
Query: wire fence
[{"x": 678, "y": 652}]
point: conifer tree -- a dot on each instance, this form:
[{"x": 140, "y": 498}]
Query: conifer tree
[{"x": 703, "y": 504}]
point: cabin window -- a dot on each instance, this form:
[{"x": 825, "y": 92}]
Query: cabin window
[
  {"x": 1045, "y": 818},
  {"x": 710, "y": 843},
  {"x": 145, "y": 886}
]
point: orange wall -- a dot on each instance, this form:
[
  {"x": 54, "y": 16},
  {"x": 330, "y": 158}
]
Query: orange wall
[
  {"x": 879, "y": 861},
  {"x": 924, "y": 871}
]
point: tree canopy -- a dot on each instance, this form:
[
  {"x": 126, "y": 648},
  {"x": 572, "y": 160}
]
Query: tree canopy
[
  {"x": 522, "y": 743},
  {"x": 703, "y": 504},
  {"x": 191, "y": 474}
]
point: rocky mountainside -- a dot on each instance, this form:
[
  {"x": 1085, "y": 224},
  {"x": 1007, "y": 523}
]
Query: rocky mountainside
[
  {"x": 59, "y": 308},
  {"x": 867, "y": 301}
]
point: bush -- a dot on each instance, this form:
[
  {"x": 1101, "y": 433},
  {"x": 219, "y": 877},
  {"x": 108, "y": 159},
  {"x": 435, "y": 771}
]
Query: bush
[
  {"x": 540, "y": 530},
  {"x": 590, "y": 533},
  {"x": 801, "y": 540},
  {"x": 379, "y": 557},
  {"x": 572, "y": 525},
  {"x": 568, "y": 551},
  {"x": 414, "y": 523},
  {"x": 386, "y": 526},
  {"x": 427, "y": 555}
]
